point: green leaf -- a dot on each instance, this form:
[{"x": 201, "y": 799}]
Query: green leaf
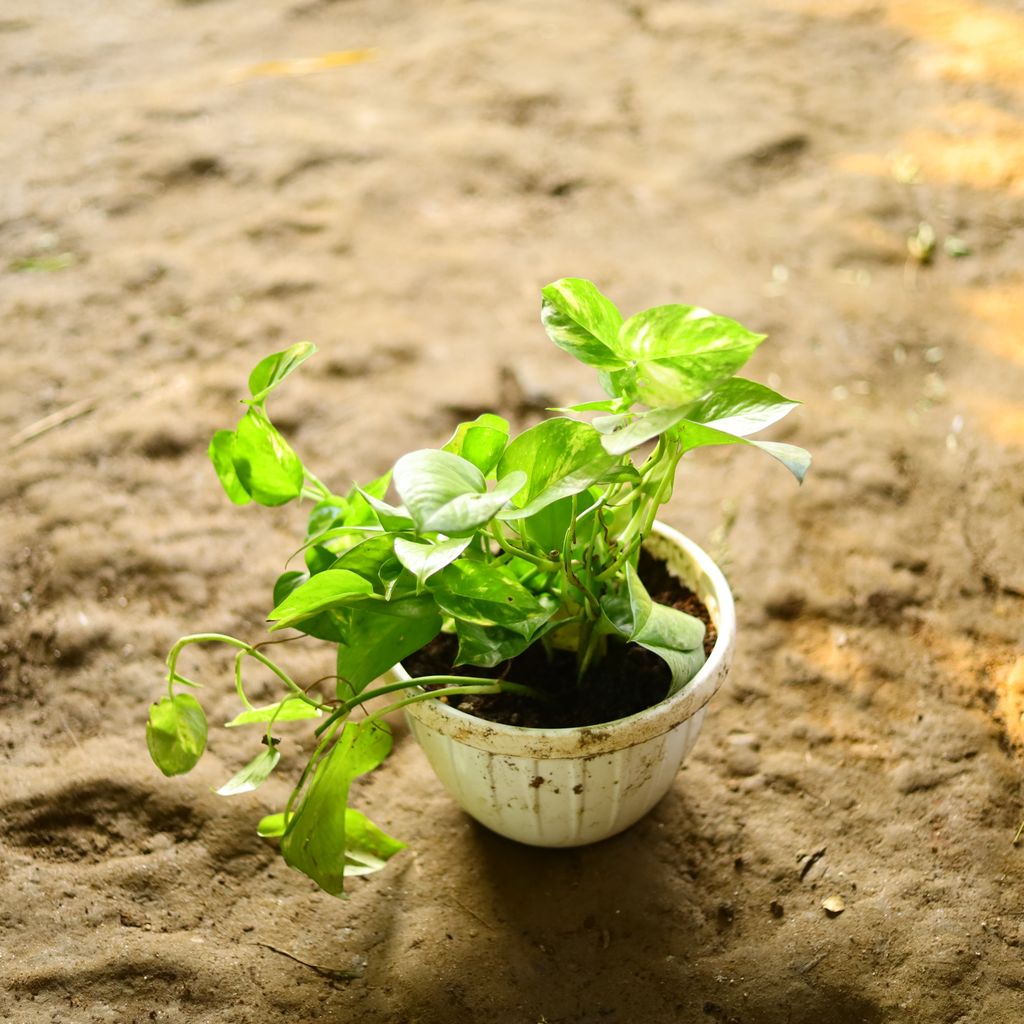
[
  {"x": 272, "y": 826},
  {"x": 642, "y": 428},
  {"x": 378, "y": 635},
  {"x": 489, "y": 595},
  {"x": 468, "y": 511},
  {"x": 562, "y": 457},
  {"x": 291, "y": 709},
  {"x": 324, "y": 514},
  {"x": 700, "y": 435},
  {"x": 360, "y": 512},
  {"x": 581, "y": 321},
  {"x": 487, "y": 646},
  {"x": 326, "y": 589},
  {"x": 315, "y": 840},
  {"x": 741, "y": 407},
  {"x": 423, "y": 560},
  {"x": 222, "y": 455},
  {"x": 266, "y": 466},
  {"x": 610, "y": 405},
  {"x": 428, "y": 479},
  {"x": 677, "y": 638},
  {"x": 368, "y": 558},
  {"x": 176, "y": 733},
  {"x": 254, "y": 774},
  {"x": 271, "y": 371},
  {"x": 481, "y": 441},
  {"x": 681, "y": 352},
  {"x": 389, "y": 517},
  {"x": 367, "y": 847},
  {"x": 324, "y": 626}
]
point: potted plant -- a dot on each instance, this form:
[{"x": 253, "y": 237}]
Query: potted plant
[{"x": 552, "y": 691}]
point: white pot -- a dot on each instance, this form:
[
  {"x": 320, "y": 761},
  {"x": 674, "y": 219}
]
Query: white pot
[{"x": 569, "y": 787}]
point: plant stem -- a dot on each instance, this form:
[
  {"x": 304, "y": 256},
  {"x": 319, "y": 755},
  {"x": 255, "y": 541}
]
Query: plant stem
[
  {"x": 231, "y": 641},
  {"x": 496, "y": 686}
]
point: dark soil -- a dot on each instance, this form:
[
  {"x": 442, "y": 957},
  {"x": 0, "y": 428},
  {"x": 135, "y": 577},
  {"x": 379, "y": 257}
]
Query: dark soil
[{"x": 627, "y": 680}]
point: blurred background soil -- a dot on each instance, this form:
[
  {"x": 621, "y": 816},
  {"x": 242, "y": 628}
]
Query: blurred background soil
[{"x": 181, "y": 197}]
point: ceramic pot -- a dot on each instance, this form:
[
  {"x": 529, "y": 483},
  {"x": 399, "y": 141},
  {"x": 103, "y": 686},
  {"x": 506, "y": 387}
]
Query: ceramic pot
[{"x": 570, "y": 787}]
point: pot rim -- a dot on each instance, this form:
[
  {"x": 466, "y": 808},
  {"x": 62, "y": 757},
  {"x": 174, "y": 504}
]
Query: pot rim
[{"x": 586, "y": 741}]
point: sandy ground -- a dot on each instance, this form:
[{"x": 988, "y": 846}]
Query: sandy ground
[{"x": 171, "y": 211}]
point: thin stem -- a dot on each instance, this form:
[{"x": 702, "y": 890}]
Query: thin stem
[
  {"x": 448, "y": 691},
  {"x": 503, "y": 685},
  {"x": 231, "y": 641},
  {"x": 318, "y": 484},
  {"x": 499, "y": 535}
]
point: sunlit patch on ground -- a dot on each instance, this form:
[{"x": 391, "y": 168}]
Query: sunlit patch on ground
[
  {"x": 999, "y": 315},
  {"x": 969, "y": 144},
  {"x": 1010, "y": 685},
  {"x": 974, "y": 41}
]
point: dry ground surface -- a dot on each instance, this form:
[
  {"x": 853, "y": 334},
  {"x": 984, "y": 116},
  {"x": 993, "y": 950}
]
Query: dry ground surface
[{"x": 173, "y": 208}]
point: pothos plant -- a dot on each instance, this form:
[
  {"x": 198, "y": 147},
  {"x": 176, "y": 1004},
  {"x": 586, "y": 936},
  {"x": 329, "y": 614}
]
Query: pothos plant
[{"x": 503, "y": 541}]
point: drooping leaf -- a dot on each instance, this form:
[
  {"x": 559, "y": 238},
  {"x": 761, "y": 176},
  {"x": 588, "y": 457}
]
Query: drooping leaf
[
  {"x": 428, "y": 479},
  {"x": 378, "y": 635},
  {"x": 741, "y": 407},
  {"x": 314, "y": 840},
  {"x": 699, "y": 435},
  {"x": 272, "y": 826},
  {"x": 677, "y": 638},
  {"x": 222, "y": 455},
  {"x": 176, "y": 733},
  {"x": 480, "y": 441},
  {"x": 254, "y": 774},
  {"x": 562, "y": 457},
  {"x": 488, "y": 595},
  {"x": 681, "y": 352},
  {"x": 487, "y": 646},
  {"x": 469, "y": 511},
  {"x": 291, "y": 709},
  {"x": 367, "y": 847},
  {"x": 271, "y": 371},
  {"x": 327, "y": 589},
  {"x": 423, "y": 560},
  {"x": 580, "y": 320},
  {"x": 266, "y": 466}
]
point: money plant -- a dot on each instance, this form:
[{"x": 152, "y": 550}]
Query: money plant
[{"x": 503, "y": 541}]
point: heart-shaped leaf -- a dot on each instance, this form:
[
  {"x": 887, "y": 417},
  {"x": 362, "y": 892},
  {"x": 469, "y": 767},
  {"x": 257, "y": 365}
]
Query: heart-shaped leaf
[
  {"x": 741, "y": 407},
  {"x": 269, "y": 372},
  {"x": 423, "y": 560},
  {"x": 176, "y": 733},
  {"x": 677, "y": 638},
  {"x": 325, "y": 590},
  {"x": 563, "y": 457},
  {"x": 266, "y": 466},
  {"x": 580, "y": 320},
  {"x": 680, "y": 352},
  {"x": 429, "y": 479},
  {"x": 481, "y": 441}
]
